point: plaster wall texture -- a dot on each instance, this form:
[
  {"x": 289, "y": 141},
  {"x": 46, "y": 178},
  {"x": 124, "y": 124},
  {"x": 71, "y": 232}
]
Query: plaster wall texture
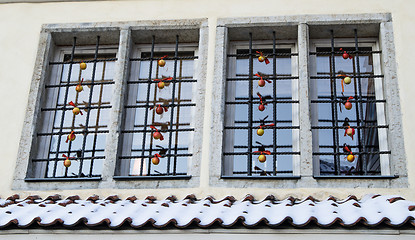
[{"x": 20, "y": 24}]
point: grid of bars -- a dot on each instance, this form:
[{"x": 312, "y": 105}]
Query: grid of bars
[
  {"x": 91, "y": 129},
  {"x": 365, "y": 123},
  {"x": 143, "y": 147},
  {"x": 252, "y": 102}
]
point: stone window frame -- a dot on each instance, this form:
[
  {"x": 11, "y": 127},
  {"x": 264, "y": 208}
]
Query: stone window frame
[
  {"x": 306, "y": 177},
  {"x": 122, "y": 32}
]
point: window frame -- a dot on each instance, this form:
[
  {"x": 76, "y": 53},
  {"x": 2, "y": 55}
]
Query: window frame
[
  {"x": 233, "y": 47},
  {"x": 53, "y": 35},
  {"x": 373, "y": 43},
  {"x": 137, "y": 49},
  {"x": 304, "y": 23}
]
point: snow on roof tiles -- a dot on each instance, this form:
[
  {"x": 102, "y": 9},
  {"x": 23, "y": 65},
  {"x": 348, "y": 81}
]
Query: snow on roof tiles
[{"x": 371, "y": 210}]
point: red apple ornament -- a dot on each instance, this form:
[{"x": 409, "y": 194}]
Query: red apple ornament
[
  {"x": 262, "y": 158},
  {"x": 348, "y": 105},
  {"x": 262, "y": 58},
  {"x": 157, "y": 134},
  {"x": 71, "y": 136},
  {"x": 261, "y": 81},
  {"x": 79, "y": 87},
  {"x": 75, "y": 110},
  {"x": 162, "y": 62}
]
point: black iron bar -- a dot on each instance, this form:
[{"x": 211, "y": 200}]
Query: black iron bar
[
  {"x": 171, "y": 105},
  {"x": 352, "y": 101},
  {"x": 75, "y": 84},
  {"x": 85, "y": 61},
  {"x": 270, "y": 121},
  {"x": 258, "y": 102},
  {"x": 334, "y": 106},
  {"x": 270, "y": 54},
  {"x": 176, "y": 53},
  {"x": 88, "y": 114},
  {"x": 94, "y": 145},
  {"x": 152, "y": 149},
  {"x": 279, "y": 78},
  {"x": 266, "y": 146},
  {"x": 148, "y": 156},
  {"x": 177, "y": 119},
  {"x": 274, "y": 103},
  {"x": 259, "y": 172},
  {"x": 256, "y": 127},
  {"x": 356, "y": 153},
  {"x": 155, "y": 82},
  {"x": 356, "y": 127},
  {"x": 167, "y": 130},
  {"x": 340, "y": 77},
  {"x": 96, "y": 150},
  {"x": 67, "y": 132},
  {"x": 250, "y": 107},
  {"x": 61, "y": 159},
  {"x": 360, "y": 103},
  {"x": 151, "y": 59},
  {"x": 340, "y": 52},
  {"x": 63, "y": 114},
  {"x": 166, "y": 58},
  {"x": 250, "y": 153},
  {"x": 81, "y": 108}
]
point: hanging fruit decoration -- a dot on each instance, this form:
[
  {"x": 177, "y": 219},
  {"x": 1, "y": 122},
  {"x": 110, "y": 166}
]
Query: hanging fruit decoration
[
  {"x": 157, "y": 134},
  {"x": 75, "y": 109},
  {"x": 156, "y": 159},
  {"x": 262, "y": 58},
  {"x": 348, "y": 105},
  {"x": 261, "y": 131},
  {"x": 67, "y": 161},
  {"x": 159, "y": 109},
  {"x": 79, "y": 87},
  {"x": 349, "y": 132},
  {"x": 262, "y": 158},
  {"x": 261, "y": 106},
  {"x": 261, "y": 81},
  {"x": 345, "y": 80},
  {"x": 351, "y": 157},
  {"x": 82, "y": 65},
  {"x": 345, "y": 54},
  {"x": 161, "y": 62},
  {"x": 71, "y": 136},
  {"x": 162, "y": 82}
]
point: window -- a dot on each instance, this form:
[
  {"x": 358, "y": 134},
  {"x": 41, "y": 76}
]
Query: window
[
  {"x": 75, "y": 113},
  {"x": 348, "y": 106},
  {"x": 315, "y": 148},
  {"x": 261, "y": 120},
  {"x": 97, "y": 124},
  {"x": 158, "y": 125}
]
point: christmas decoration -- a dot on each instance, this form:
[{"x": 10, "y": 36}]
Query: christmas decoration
[
  {"x": 345, "y": 54},
  {"x": 348, "y": 105},
  {"x": 156, "y": 159},
  {"x": 75, "y": 110},
  {"x": 261, "y": 150},
  {"x": 67, "y": 163},
  {"x": 262, "y": 58},
  {"x": 261, "y": 106},
  {"x": 345, "y": 80},
  {"x": 162, "y": 62},
  {"x": 162, "y": 82},
  {"x": 79, "y": 87},
  {"x": 157, "y": 134},
  {"x": 261, "y": 81},
  {"x": 349, "y": 132},
  {"x": 349, "y": 157},
  {"x": 71, "y": 137},
  {"x": 82, "y": 65},
  {"x": 261, "y": 131},
  {"x": 159, "y": 109}
]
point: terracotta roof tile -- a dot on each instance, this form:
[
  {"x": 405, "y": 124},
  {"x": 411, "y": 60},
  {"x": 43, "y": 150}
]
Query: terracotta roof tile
[{"x": 371, "y": 210}]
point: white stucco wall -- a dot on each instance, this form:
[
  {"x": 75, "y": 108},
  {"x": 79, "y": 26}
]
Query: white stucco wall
[{"x": 20, "y": 25}]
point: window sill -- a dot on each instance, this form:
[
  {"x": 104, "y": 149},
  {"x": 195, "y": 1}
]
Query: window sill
[
  {"x": 61, "y": 179},
  {"x": 260, "y": 177},
  {"x": 356, "y": 177},
  {"x": 179, "y": 177}
]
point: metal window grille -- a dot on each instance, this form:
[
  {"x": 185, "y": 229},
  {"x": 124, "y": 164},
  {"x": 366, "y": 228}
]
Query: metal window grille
[
  {"x": 242, "y": 145},
  {"x": 340, "y": 153},
  {"x": 58, "y": 122},
  {"x": 142, "y": 121}
]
